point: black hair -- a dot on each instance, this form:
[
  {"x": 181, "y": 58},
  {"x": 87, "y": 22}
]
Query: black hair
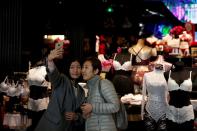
[
  {"x": 68, "y": 62},
  {"x": 96, "y": 63}
]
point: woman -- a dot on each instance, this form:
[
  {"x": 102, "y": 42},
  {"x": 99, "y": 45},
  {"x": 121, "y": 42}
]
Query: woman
[
  {"x": 63, "y": 112},
  {"x": 97, "y": 111}
]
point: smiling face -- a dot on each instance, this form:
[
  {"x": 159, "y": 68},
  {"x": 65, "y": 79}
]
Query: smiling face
[
  {"x": 87, "y": 71},
  {"x": 75, "y": 70}
]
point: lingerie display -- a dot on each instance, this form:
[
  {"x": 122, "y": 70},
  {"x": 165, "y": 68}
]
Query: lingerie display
[
  {"x": 39, "y": 95},
  {"x": 141, "y": 57},
  {"x": 180, "y": 111},
  {"x": 184, "y": 48},
  {"x": 36, "y": 75},
  {"x": 140, "y": 61},
  {"x": 154, "y": 108},
  {"x": 174, "y": 43},
  {"x": 15, "y": 116},
  {"x": 122, "y": 62},
  {"x": 102, "y": 50},
  {"x": 105, "y": 63},
  {"x": 122, "y": 73},
  {"x": 185, "y": 38}
]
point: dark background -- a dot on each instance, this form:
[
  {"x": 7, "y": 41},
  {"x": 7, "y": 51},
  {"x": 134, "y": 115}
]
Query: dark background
[{"x": 23, "y": 24}]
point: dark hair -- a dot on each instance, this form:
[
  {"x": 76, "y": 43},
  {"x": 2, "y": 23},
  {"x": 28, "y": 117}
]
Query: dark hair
[
  {"x": 96, "y": 63},
  {"x": 68, "y": 64}
]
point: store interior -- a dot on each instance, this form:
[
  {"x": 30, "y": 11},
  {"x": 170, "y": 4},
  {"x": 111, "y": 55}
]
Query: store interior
[{"x": 30, "y": 29}]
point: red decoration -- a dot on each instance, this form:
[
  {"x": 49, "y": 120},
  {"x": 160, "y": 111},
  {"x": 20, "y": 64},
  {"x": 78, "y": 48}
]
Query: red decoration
[{"x": 176, "y": 31}]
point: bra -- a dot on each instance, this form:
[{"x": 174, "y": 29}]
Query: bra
[
  {"x": 12, "y": 91},
  {"x": 186, "y": 85},
  {"x": 141, "y": 57},
  {"x": 37, "y": 75},
  {"x": 4, "y": 87},
  {"x": 126, "y": 66}
]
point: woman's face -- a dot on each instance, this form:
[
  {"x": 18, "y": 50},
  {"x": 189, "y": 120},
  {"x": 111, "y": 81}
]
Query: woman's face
[
  {"x": 87, "y": 71},
  {"x": 75, "y": 70}
]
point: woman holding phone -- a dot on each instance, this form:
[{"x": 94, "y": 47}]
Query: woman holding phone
[{"x": 63, "y": 112}]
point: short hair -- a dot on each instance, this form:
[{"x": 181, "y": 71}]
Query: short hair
[{"x": 96, "y": 63}]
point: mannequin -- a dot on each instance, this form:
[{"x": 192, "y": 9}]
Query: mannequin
[
  {"x": 141, "y": 54},
  {"x": 186, "y": 39},
  {"x": 155, "y": 88},
  {"x": 178, "y": 72},
  {"x": 39, "y": 96},
  {"x": 160, "y": 60},
  {"x": 122, "y": 72},
  {"x": 101, "y": 51},
  {"x": 180, "y": 114}
]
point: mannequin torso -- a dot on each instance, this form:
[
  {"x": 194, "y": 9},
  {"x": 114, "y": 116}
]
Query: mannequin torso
[
  {"x": 155, "y": 88},
  {"x": 180, "y": 109},
  {"x": 179, "y": 73},
  {"x": 142, "y": 52}
]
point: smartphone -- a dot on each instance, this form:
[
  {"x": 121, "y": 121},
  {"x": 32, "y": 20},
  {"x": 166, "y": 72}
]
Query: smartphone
[{"x": 59, "y": 45}]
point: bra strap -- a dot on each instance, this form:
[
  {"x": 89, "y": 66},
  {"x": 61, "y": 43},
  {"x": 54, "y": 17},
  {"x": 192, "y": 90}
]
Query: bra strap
[
  {"x": 169, "y": 74},
  {"x": 190, "y": 74},
  {"x": 131, "y": 58},
  {"x": 137, "y": 53},
  {"x": 115, "y": 56}
]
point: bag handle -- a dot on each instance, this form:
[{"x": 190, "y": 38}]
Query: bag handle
[{"x": 99, "y": 87}]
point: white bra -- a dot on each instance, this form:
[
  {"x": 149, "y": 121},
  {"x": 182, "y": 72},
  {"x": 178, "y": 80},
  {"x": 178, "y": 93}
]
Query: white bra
[
  {"x": 126, "y": 66},
  {"x": 37, "y": 75},
  {"x": 186, "y": 85},
  {"x": 13, "y": 90},
  {"x": 4, "y": 85}
]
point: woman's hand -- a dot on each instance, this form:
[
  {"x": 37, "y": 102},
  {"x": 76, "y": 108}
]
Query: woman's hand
[
  {"x": 70, "y": 116},
  {"x": 86, "y": 116},
  {"x": 86, "y": 109},
  {"x": 56, "y": 54}
]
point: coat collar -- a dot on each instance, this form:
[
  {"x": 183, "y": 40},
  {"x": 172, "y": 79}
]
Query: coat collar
[{"x": 92, "y": 81}]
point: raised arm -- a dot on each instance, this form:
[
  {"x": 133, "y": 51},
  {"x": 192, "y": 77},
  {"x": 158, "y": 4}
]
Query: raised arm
[
  {"x": 54, "y": 75},
  {"x": 54, "y": 54}
]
